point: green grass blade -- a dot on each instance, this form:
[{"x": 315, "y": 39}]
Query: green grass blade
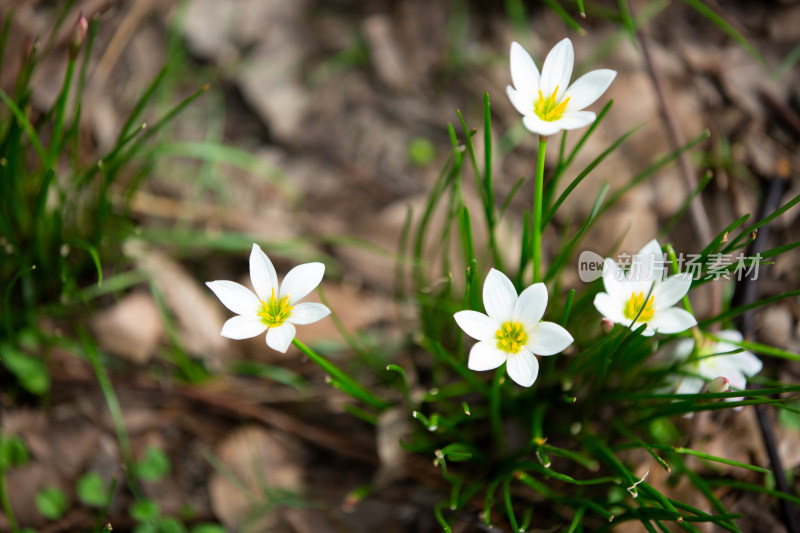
[
  {"x": 580, "y": 177},
  {"x": 466, "y": 235},
  {"x": 722, "y": 24},
  {"x": 556, "y": 8},
  {"x": 766, "y": 220},
  {"x": 472, "y": 157},
  {"x": 94, "y": 254},
  {"x": 759, "y": 348},
  {"x": 708, "y": 457},
  {"x": 26, "y": 125},
  {"x": 438, "y": 350},
  {"x": 736, "y": 311},
  {"x": 346, "y": 383},
  {"x": 627, "y": 20},
  {"x": 722, "y": 236},
  {"x": 752, "y": 487},
  {"x": 4, "y": 35},
  {"x": 658, "y": 165},
  {"x": 787, "y": 64},
  {"x": 674, "y": 219},
  {"x": 511, "y": 194},
  {"x": 566, "y": 250},
  {"x": 141, "y": 103},
  {"x": 585, "y": 137},
  {"x": 219, "y": 153}
]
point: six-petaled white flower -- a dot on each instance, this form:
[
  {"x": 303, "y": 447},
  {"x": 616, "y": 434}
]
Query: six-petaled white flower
[
  {"x": 714, "y": 360},
  {"x": 640, "y": 296},
  {"x": 547, "y": 102},
  {"x": 511, "y": 331},
  {"x": 272, "y": 308}
]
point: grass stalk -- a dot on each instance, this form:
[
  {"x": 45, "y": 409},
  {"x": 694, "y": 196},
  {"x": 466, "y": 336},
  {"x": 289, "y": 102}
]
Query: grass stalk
[
  {"x": 537, "y": 210},
  {"x": 346, "y": 383},
  {"x": 6, "y": 503}
]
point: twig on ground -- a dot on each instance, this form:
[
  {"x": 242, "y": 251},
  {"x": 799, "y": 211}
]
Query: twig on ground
[
  {"x": 696, "y": 210},
  {"x": 747, "y": 290},
  {"x": 700, "y": 219}
]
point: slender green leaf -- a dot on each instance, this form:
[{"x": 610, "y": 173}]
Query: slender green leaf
[{"x": 722, "y": 24}]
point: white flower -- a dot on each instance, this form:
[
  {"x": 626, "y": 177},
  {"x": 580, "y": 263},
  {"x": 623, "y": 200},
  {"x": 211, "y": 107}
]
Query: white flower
[
  {"x": 273, "y": 308},
  {"x": 548, "y": 103},
  {"x": 639, "y": 296},
  {"x": 511, "y": 331},
  {"x": 714, "y": 360}
]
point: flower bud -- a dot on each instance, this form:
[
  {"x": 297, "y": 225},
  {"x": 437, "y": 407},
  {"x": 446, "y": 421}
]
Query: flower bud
[
  {"x": 606, "y": 325},
  {"x": 78, "y": 35},
  {"x": 719, "y": 384}
]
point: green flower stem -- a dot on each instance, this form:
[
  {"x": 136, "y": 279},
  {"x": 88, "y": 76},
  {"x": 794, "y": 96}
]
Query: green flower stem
[
  {"x": 697, "y": 334},
  {"x": 6, "y": 503},
  {"x": 673, "y": 259},
  {"x": 57, "y": 141},
  {"x": 509, "y": 506},
  {"x": 537, "y": 210},
  {"x": 346, "y": 383},
  {"x": 494, "y": 407},
  {"x": 115, "y": 410}
]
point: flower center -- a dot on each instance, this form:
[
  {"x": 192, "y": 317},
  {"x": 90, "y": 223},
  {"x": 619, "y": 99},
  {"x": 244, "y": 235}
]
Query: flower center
[
  {"x": 511, "y": 337},
  {"x": 548, "y": 109},
  {"x": 637, "y": 306},
  {"x": 275, "y": 312}
]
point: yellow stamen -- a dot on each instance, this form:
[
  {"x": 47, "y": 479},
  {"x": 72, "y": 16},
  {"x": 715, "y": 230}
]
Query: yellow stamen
[
  {"x": 637, "y": 306},
  {"x": 511, "y": 337},
  {"x": 548, "y": 109},
  {"x": 275, "y": 312}
]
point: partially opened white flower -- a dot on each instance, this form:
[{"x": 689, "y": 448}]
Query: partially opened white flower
[
  {"x": 511, "y": 331},
  {"x": 714, "y": 360},
  {"x": 640, "y": 296},
  {"x": 547, "y": 102},
  {"x": 272, "y": 308}
]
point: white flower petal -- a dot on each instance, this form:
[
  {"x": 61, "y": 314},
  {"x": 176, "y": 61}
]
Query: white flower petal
[
  {"x": 262, "y": 274},
  {"x": 690, "y": 385},
  {"x": 671, "y": 291},
  {"x": 280, "y": 337},
  {"x": 486, "y": 356},
  {"x": 307, "y": 313},
  {"x": 499, "y": 296},
  {"x": 235, "y": 297},
  {"x": 747, "y": 363},
  {"x": 523, "y": 368},
  {"x": 477, "y": 325},
  {"x": 574, "y": 120},
  {"x": 652, "y": 248},
  {"x": 610, "y": 308},
  {"x": 548, "y": 338},
  {"x": 588, "y": 88},
  {"x": 737, "y": 381},
  {"x": 647, "y": 265},
  {"x": 672, "y": 320},
  {"x": 531, "y": 305},
  {"x": 524, "y": 73},
  {"x": 523, "y": 104},
  {"x": 614, "y": 280},
  {"x": 243, "y": 327},
  {"x": 557, "y": 70},
  {"x": 682, "y": 349},
  {"x": 536, "y": 125},
  {"x": 711, "y": 367},
  {"x": 301, "y": 280},
  {"x": 730, "y": 335}
]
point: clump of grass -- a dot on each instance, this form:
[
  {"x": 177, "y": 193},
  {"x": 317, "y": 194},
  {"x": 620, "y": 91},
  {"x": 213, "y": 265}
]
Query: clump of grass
[
  {"x": 63, "y": 220},
  {"x": 59, "y": 221}
]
